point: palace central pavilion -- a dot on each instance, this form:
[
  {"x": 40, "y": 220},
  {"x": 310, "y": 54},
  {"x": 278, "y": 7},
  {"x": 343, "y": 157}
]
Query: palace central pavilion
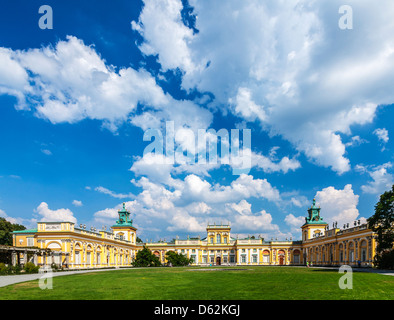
[{"x": 69, "y": 246}]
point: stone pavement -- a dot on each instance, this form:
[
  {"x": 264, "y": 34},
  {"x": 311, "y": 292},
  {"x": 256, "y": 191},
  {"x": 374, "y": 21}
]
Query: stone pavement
[
  {"x": 357, "y": 269},
  {"x": 11, "y": 279}
]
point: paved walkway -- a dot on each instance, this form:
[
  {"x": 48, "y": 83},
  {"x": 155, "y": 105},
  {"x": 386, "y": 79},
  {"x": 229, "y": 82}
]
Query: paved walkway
[
  {"x": 12, "y": 279},
  {"x": 356, "y": 269}
]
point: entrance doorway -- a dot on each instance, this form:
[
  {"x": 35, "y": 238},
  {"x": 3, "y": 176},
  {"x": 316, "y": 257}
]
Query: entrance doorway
[
  {"x": 218, "y": 261},
  {"x": 281, "y": 257}
]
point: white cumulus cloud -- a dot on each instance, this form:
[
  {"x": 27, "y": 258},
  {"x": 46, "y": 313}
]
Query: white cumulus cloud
[
  {"x": 338, "y": 205},
  {"x": 54, "y": 215},
  {"x": 285, "y": 64}
]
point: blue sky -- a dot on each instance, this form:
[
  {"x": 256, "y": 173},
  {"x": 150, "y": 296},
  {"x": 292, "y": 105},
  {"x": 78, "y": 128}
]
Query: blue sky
[{"x": 77, "y": 99}]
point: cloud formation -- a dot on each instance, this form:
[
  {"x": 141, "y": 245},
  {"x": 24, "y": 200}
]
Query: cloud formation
[
  {"x": 382, "y": 180},
  {"x": 287, "y": 65},
  {"x": 54, "y": 215},
  {"x": 71, "y": 82},
  {"x": 338, "y": 205}
]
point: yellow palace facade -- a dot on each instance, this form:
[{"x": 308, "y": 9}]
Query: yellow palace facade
[{"x": 66, "y": 245}]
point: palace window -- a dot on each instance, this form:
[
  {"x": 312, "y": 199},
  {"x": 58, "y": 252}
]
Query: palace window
[
  {"x": 351, "y": 252},
  {"x": 218, "y": 239},
  {"x": 225, "y": 239},
  {"x": 243, "y": 258},
  {"x": 363, "y": 246},
  {"x": 30, "y": 242},
  {"x": 254, "y": 258},
  {"x": 296, "y": 255},
  {"x": 351, "y": 256},
  {"x": 341, "y": 252},
  {"x": 77, "y": 258}
]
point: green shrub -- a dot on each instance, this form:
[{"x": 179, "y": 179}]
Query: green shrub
[
  {"x": 3, "y": 268},
  {"x": 30, "y": 267},
  {"x": 145, "y": 258},
  {"x": 177, "y": 259}
]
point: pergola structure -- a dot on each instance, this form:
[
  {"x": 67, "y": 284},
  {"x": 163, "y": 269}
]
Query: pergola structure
[{"x": 22, "y": 255}]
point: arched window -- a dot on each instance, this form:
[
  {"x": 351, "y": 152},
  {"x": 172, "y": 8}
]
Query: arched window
[
  {"x": 98, "y": 255},
  {"x": 363, "y": 251},
  {"x": 296, "y": 256},
  {"x": 341, "y": 252},
  {"x": 266, "y": 256},
  {"x": 351, "y": 252}
]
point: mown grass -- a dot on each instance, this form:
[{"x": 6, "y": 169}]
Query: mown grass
[{"x": 243, "y": 283}]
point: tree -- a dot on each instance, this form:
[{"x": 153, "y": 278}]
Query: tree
[
  {"x": 145, "y": 258},
  {"x": 382, "y": 223},
  {"x": 6, "y": 228},
  {"x": 178, "y": 259}
]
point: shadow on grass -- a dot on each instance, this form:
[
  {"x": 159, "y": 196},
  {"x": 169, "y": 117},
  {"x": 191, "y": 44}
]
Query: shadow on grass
[{"x": 325, "y": 270}]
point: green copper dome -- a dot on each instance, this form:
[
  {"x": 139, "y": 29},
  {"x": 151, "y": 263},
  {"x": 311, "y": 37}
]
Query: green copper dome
[
  {"x": 124, "y": 218},
  {"x": 314, "y": 215}
]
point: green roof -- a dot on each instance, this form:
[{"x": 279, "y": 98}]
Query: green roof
[{"x": 25, "y": 231}]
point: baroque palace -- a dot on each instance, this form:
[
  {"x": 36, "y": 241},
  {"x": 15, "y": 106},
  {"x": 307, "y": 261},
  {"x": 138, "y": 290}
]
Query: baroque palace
[{"x": 68, "y": 246}]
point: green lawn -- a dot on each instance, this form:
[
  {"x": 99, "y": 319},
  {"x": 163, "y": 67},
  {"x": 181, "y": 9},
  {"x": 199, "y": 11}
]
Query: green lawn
[{"x": 251, "y": 283}]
